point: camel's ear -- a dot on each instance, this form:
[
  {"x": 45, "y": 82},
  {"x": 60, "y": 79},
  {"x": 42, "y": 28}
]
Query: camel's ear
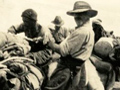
[{"x": 111, "y": 32}]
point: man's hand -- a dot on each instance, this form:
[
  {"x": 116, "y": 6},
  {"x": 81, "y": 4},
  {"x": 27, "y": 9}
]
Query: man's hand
[
  {"x": 28, "y": 39},
  {"x": 55, "y": 47},
  {"x": 36, "y": 40},
  {"x": 51, "y": 44},
  {"x": 46, "y": 38}
]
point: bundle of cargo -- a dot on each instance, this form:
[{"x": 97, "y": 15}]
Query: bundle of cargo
[
  {"x": 20, "y": 73},
  {"x": 103, "y": 47}
]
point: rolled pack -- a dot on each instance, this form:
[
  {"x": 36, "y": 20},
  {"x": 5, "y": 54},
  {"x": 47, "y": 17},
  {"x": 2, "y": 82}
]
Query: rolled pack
[{"x": 103, "y": 47}]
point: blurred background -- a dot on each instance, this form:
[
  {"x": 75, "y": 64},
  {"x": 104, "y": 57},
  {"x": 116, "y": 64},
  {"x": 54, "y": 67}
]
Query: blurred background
[{"x": 10, "y": 12}]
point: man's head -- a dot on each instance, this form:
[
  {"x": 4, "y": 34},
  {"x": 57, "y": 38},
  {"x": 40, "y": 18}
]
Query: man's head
[
  {"x": 58, "y": 22},
  {"x": 82, "y": 11},
  {"x": 29, "y": 17}
]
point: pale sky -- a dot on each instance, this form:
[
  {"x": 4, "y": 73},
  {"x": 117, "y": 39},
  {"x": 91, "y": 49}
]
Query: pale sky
[{"x": 10, "y": 12}]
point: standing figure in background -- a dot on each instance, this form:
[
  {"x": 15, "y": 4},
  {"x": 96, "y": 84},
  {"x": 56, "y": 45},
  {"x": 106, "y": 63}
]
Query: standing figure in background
[{"x": 59, "y": 33}]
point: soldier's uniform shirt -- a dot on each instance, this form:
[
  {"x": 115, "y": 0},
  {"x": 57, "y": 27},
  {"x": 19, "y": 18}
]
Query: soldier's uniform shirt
[
  {"x": 39, "y": 51},
  {"x": 79, "y": 44},
  {"x": 35, "y": 32},
  {"x": 60, "y": 35}
]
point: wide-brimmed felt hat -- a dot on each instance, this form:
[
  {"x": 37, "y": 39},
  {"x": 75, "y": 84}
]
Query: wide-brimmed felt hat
[
  {"x": 81, "y": 6},
  {"x": 58, "y": 21}
]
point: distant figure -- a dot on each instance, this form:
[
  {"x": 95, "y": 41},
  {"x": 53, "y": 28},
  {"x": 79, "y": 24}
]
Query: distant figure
[{"x": 59, "y": 33}]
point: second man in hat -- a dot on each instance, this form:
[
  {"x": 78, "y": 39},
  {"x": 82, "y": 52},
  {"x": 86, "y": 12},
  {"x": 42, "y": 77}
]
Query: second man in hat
[{"x": 59, "y": 33}]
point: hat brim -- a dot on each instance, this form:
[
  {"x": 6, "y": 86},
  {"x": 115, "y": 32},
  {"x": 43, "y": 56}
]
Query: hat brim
[
  {"x": 91, "y": 12},
  {"x": 58, "y": 24}
]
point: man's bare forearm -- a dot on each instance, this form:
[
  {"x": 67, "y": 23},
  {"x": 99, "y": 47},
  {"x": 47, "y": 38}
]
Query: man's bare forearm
[{"x": 55, "y": 47}]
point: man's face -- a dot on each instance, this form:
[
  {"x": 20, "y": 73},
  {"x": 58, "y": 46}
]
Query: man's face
[
  {"x": 27, "y": 22},
  {"x": 80, "y": 19},
  {"x": 57, "y": 27}
]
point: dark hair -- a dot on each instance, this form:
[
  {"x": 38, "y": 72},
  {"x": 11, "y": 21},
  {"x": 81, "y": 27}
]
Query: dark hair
[{"x": 30, "y": 13}]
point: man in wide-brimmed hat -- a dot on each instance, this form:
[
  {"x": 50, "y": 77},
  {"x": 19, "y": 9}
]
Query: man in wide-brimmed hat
[
  {"x": 76, "y": 50},
  {"x": 59, "y": 33},
  {"x": 58, "y": 21}
]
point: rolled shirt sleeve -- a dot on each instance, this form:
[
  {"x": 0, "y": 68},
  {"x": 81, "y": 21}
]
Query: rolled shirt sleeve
[
  {"x": 14, "y": 29},
  {"x": 66, "y": 33},
  {"x": 72, "y": 43}
]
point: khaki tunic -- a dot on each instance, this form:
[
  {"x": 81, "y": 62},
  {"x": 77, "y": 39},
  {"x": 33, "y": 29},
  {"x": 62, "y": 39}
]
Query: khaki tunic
[
  {"x": 60, "y": 35},
  {"x": 79, "y": 44}
]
